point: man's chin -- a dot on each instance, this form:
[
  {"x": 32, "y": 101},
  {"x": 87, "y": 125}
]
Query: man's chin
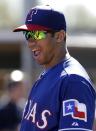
[{"x": 40, "y": 62}]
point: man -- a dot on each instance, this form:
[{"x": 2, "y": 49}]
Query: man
[
  {"x": 63, "y": 98},
  {"x": 10, "y": 112}
]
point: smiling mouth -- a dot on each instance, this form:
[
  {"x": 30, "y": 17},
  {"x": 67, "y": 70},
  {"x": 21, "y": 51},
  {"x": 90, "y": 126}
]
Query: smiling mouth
[{"x": 36, "y": 52}]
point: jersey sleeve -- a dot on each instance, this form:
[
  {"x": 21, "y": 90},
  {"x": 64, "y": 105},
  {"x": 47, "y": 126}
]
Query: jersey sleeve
[{"x": 77, "y": 106}]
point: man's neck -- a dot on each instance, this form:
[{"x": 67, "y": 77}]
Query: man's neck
[{"x": 60, "y": 56}]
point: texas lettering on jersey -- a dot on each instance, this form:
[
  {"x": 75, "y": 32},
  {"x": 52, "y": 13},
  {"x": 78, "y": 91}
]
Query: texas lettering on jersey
[{"x": 32, "y": 112}]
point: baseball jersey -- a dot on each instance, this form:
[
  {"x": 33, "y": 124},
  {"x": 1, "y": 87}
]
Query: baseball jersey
[{"x": 63, "y": 99}]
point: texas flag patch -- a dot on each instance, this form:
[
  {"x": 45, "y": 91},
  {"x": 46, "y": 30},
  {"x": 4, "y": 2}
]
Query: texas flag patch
[{"x": 75, "y": 109}]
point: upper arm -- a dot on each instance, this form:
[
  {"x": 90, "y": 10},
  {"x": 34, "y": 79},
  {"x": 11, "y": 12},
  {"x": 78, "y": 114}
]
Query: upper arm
[{"x": 77, "y": 106}]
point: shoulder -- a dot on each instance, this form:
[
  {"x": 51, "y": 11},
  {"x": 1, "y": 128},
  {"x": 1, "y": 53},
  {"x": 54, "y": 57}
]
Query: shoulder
[
  {"x": 72, "y": 68},
  {"x": 74, "y": 75}
]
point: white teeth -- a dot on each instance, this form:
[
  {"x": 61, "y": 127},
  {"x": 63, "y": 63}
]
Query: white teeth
[{"x": 34, "y": 49}]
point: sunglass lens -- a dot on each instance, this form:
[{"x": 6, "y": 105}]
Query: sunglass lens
[{"x": 37, "y": 35}]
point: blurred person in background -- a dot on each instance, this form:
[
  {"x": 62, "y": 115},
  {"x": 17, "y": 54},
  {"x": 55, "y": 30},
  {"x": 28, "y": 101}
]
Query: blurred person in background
[
  {"x": 94, "y": 127},
  {"x": 10, "y": 111},
  {"x": 63, "y": 97}
]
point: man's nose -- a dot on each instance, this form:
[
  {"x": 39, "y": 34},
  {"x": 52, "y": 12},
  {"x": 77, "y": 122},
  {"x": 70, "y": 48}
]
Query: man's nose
[{"x": 32, "y": 43}]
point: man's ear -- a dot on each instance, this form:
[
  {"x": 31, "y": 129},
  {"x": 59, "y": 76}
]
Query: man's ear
[{"x": 60, "y": 36}]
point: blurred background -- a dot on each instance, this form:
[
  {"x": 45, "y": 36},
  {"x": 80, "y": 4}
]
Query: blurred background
[{"x": 16, "y": 62}]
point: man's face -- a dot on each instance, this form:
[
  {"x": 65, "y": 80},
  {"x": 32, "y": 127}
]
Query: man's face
[{"x": 44, "y": 50}]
